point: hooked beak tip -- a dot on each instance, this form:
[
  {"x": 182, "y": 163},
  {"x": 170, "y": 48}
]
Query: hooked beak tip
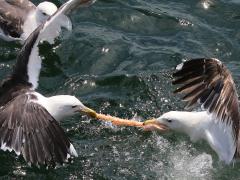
[
  {"x": 89, "y": 112},
  {"x": 155, "y": 125}
]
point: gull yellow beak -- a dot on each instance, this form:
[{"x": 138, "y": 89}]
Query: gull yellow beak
[
  {"x": 153, "y": 124},
  {"x": 89, "y": 112}
]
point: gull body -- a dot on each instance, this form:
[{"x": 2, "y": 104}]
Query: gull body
[{"x": 202, "y": 126}]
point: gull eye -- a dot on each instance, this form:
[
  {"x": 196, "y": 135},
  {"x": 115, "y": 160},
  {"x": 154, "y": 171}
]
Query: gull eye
[
  {"x": 74, "y": 106},
  {"x": 169, "y": 120},
  {"x": 45, "y": 14}
]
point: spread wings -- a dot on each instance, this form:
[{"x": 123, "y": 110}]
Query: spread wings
[
  {"x": 28, "y": 129},
  {"x": 210, "y": 83}
]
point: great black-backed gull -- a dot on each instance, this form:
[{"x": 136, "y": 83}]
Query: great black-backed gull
[
  {"x": 19, "y": 18},
  {"x": 210, "y": 83},
  {"x": 28, "y": 120}
]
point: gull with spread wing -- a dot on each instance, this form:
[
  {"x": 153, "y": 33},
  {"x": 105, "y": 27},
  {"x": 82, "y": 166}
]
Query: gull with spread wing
[
  {"x": 209, "y": 83},
  {"x": 28, "y": 120}
]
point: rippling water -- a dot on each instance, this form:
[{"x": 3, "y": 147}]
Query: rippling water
[{"x": 118, "y": 60}]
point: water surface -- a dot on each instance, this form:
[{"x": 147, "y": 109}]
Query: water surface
[{"x": 118, "y": 60}]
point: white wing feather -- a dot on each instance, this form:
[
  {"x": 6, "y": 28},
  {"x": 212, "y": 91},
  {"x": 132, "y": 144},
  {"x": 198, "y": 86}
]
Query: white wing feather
[{"x": 220, "y": 137}]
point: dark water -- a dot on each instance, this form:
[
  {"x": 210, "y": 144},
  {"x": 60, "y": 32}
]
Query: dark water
[{"x": 118, "y": 60}]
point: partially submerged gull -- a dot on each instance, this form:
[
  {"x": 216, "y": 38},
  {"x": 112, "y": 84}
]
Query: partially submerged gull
[
  {"x": 28, "y": 120},
  {"x": 210, "y": 83}
]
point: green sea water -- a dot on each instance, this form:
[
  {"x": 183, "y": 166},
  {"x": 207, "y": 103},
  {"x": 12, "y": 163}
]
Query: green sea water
[{"x": 118, "y": 60}]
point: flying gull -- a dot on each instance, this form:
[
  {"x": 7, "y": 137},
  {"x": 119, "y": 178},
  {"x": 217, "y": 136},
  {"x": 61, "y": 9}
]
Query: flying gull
[
  {"x": 28, "y": 120},
  {"x": 210, "y": 83},
  {"x": 19, "y": 18}
]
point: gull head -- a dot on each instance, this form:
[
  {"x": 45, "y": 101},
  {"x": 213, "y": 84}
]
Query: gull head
[
  {"x": 173, "y": 120},
  {"x": 64, "y": 106},
  {"x": 44, "y": 10}
]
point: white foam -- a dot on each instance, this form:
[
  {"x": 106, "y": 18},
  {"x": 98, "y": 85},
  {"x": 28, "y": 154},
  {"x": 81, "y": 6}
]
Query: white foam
[{"x": 181, "y": 161}]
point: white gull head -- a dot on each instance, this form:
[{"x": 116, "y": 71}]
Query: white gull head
[
  {"x": 62, "y": 106},
  {"x": 185, "y": 122},
  {"x": 44, "y": 10},
  {"x": 65, "y": 106}
]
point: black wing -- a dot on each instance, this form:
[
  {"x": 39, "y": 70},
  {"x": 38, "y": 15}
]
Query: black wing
[
  {"x": 28, "y": 129},
  {"x": 18, "y": 82},
  {"x": 210, "y": 83},
  {"x": 12, "y": 16}
]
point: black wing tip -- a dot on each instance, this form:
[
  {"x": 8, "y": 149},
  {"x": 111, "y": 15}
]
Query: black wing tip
[
  {"x": 182, "y": 66},
  {"x": 192, "y": 65},
  {"x": 195, "y": 61}
]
